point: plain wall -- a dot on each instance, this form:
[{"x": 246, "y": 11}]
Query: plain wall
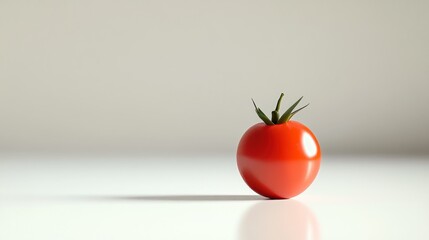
[{"x": 177, "y": 76}]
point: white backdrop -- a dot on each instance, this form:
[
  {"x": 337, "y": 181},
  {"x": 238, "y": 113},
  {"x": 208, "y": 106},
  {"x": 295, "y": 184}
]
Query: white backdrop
[{"x": 168, "y": 76}]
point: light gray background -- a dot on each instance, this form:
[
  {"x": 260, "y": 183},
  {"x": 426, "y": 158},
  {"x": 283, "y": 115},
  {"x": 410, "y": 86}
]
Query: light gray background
[{"x": 177, "y": 76}]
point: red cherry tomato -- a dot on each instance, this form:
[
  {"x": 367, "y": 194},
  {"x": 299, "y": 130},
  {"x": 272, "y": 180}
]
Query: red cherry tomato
[{"x": 280, "y": 160}]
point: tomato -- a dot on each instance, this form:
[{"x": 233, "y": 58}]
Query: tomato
[{"x": 278, "y": 160}]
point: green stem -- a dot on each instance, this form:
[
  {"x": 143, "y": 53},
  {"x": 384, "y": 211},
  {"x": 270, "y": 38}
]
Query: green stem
[{"x": 275, "y": 116}]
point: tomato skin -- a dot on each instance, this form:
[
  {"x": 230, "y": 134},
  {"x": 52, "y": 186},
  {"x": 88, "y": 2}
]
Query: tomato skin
[{"x": 278, "y": 161}]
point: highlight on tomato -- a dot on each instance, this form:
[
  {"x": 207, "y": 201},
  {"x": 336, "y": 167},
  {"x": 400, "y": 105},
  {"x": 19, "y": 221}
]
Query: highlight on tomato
[{"x": 278, "y": 158}]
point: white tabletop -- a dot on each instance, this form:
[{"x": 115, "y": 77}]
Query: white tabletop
[{"x": 204, "y": 197}]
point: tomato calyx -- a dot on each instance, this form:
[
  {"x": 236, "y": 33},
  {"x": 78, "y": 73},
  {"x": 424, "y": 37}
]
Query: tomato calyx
[{"x": 275, "y": 116}]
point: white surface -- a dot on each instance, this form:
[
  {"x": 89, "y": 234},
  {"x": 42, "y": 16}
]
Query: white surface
[{"x": 205, "y": 198}]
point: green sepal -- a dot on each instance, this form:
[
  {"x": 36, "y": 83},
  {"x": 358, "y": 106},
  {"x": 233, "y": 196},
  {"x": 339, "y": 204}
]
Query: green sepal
[
  {"x": 278, "y": 102},
  {"x": 262, "y": 115},
  {"x": 294, "y": 112},
  {"x": 288, "y": 114}
]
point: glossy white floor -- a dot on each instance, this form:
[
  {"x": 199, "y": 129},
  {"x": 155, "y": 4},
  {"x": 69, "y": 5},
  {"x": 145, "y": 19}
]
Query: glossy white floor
[{"x": 204, "y": 197}]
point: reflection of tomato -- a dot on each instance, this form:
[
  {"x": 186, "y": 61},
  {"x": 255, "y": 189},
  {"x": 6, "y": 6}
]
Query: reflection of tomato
[
  {"x": 273, "y": 220},
  {"x": 278, "y": 160}
]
